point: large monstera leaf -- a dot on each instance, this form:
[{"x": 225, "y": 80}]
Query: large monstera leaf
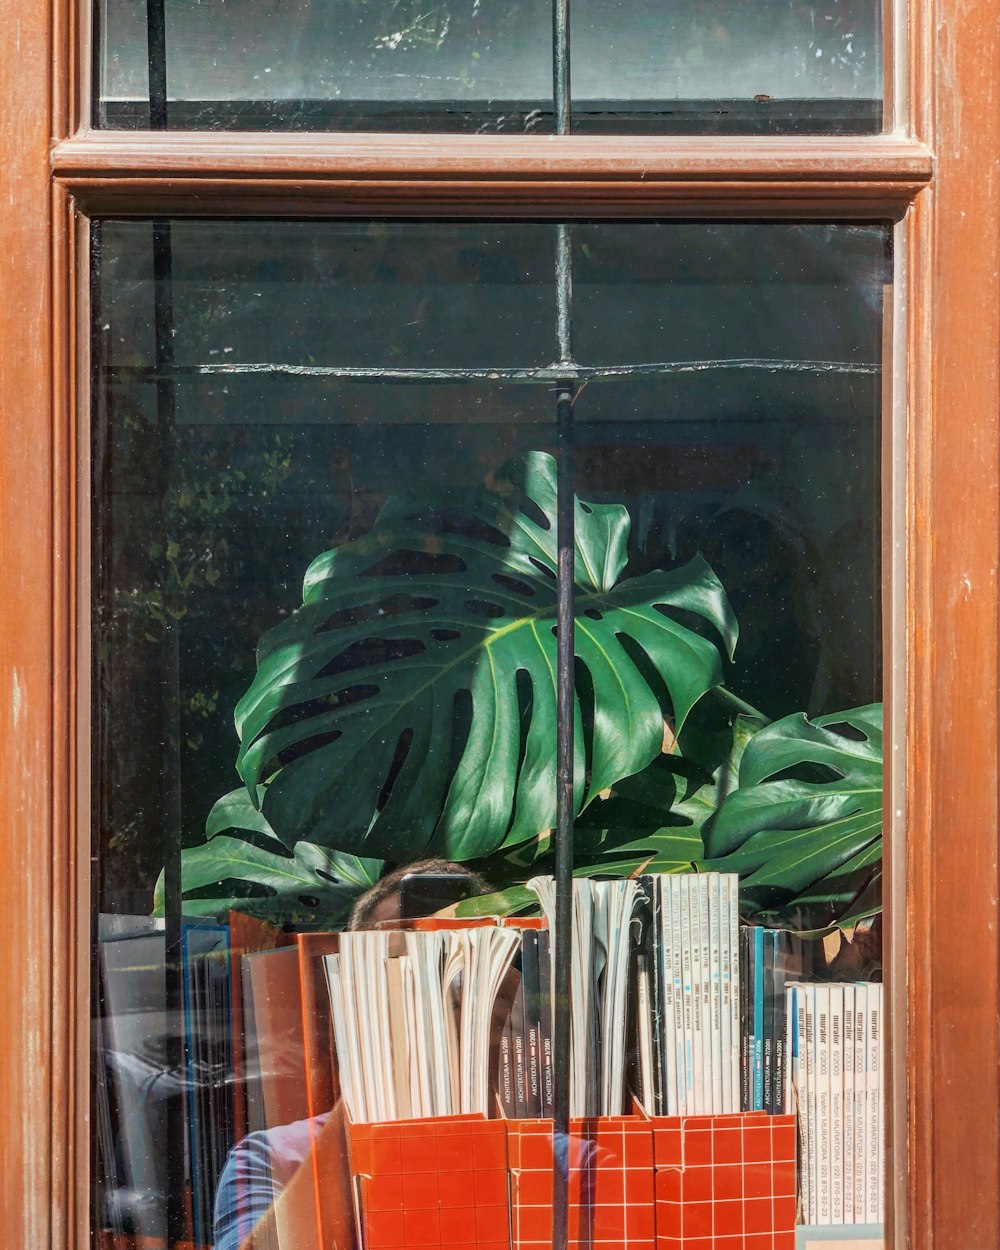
[
  {"x": 242, "y": 867},
  {"x": 408, "y": 707},
  {"x": 804, "y": 826}
]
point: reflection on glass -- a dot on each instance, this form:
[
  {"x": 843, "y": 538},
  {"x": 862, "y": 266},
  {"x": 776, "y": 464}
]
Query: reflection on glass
[
  {"x": 381, "y": 294},
  {"x": 486, "y": 65},
  {"x": 721, "y": 65},
  {"x": 300, "y": 536},
  {"x": 337, "y": 64}
]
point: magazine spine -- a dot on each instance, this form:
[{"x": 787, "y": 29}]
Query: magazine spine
[
  {"x": 849, "y": 1103},
  {"x": 807, "y": 1040},
  {"x": 758, "y": 1019},
  {"x": 836, "y": 1104},
  {"x": 824, "y": 1205},
  {"x": 715, "y": 924},
  {"x": 545, "y": 1019}
]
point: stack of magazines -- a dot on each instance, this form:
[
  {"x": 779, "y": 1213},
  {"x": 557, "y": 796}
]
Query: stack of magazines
[{"x": 834, "y": 1084}]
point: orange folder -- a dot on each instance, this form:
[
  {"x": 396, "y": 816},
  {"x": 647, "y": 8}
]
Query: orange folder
[{"x": 436, "y": 1184}]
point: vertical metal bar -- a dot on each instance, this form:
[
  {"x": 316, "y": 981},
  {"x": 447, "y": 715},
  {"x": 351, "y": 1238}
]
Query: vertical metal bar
[
  {"x": 565, "y": 697},
  {"x": 560, "y": 66},
  {"x": 565, "y": 683},
  {"x": 564, "y": 294},
  {"x": 156, "y": 60},
  {"x": 163, "y": 314}
]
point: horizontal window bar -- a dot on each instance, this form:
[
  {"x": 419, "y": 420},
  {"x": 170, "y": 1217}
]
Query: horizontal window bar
[{"x": 556, "y": 372}]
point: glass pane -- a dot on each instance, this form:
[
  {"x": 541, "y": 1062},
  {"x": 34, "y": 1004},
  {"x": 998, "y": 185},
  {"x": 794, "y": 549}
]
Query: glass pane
[
  {"x": 334, "y": 64},
  {"x": 379, "y": 295},
  {"x": 324, "y": 554},
  {"x": 483, "y": 66},
  {"x": 722, "y": 66}
]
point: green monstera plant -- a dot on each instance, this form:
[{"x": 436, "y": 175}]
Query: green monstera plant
[
  {"x": 408, "y": 708},
  {"x": 803, "y": 825},
  {"x": 450, "y": 608}
]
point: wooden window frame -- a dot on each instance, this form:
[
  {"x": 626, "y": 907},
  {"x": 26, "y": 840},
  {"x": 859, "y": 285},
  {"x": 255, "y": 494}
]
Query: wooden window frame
[{"x": 937, "y": 176}]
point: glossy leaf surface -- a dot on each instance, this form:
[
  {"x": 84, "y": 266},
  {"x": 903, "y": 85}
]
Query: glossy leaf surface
[
  {"x": 804, "y": 826},
  {"x": 408, "y": 707}
]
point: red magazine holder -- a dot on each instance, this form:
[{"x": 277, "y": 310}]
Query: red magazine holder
[{"x": 723, "y": 1182}]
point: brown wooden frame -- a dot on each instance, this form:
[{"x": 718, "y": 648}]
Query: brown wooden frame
[{"x": 937, "y": 175}]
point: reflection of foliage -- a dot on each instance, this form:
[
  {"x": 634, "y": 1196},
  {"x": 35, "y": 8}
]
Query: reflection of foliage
[
  {"x": 810, "y": 540},
  {"x": 338, "y": 750},
  {"x": 407, "y": 25},
  {"x": 181, "y": 580},
  {"x": 438, "y": 43},
  {"x": 198, "y": 706},
  {"x": 190, "y": 550},
  {"x": 404, "y": 24}
]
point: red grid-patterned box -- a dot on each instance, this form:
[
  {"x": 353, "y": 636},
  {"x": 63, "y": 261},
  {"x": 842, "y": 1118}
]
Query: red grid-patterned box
[
  {"x": 432, "y": 1184},
  {"x": 464, "y": 1183},
  {"x": 725, "y": 1182},
  {"x": 611, "y": 1187}
]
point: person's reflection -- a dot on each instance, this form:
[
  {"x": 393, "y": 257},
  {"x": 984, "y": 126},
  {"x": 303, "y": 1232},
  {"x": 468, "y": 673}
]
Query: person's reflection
[{"x": 288, "y": 1187}]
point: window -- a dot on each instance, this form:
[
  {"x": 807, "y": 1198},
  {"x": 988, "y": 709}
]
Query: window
[
  {"x": 377, "y": 403},
  {"x": 107, "y": 190}
]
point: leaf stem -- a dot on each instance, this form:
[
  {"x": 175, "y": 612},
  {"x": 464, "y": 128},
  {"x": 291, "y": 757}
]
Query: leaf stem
[{"x": 740, "y": 705}]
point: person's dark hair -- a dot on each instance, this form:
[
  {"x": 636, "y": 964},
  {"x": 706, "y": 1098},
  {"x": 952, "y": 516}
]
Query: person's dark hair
[{"x": 389, "y": 885}]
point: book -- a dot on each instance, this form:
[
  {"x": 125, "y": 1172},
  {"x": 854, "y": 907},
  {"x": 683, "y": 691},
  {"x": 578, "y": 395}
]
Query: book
[
  {"x": 807, "y": 1044},
  {"x": 794, "y": 960},
  {"x": 135, "y": 1028},
  {"x": 766, "y": 992},
  {"x": 615, "y": 905},
  {"x": 757, "y": 1034},
  {"x": 532, "y": 1025},
  {"x": 602, "y": 939},
  {"x": 545, "y": 1025},
  {"x": 248, "y": 1076},
  {"x": 517, "y": 1017},
  {"x": 837, "y": 1143},
  {"x": 641, "y": 1038},
  {"x": 206, "y": 991},
  {"x": 277, "y": 1048},
  {"x": 729, "y": 1099},
  {"x": 746, "y": 1019},
  {"x": 650, "y": 1031},
  {"x": 732, "y": 885},
  {"x": 860, "y": 1100},
  {"x": 849, "y": 1102},
  {"x": 717, "y": 1100},
  {"x": 692, "y": 1102},
  {"x": 399, "y": 975},
  {"x": 875, "y": 1128},
  {"x": 322, "y": 1088},
  {"x": 672, "y": 937},
  {"x": 694, "y": 946},
  {"x": 836, "y": 1090},
  {"x": 695, "y": 937},
  {"x": 670, "y": 1014},
  {"x": 440, "y": 1038},
  {"x": 246, "y": 934},
  {"x": 505, "y": 1081},
  {"x": 823, "y": 1163}
]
